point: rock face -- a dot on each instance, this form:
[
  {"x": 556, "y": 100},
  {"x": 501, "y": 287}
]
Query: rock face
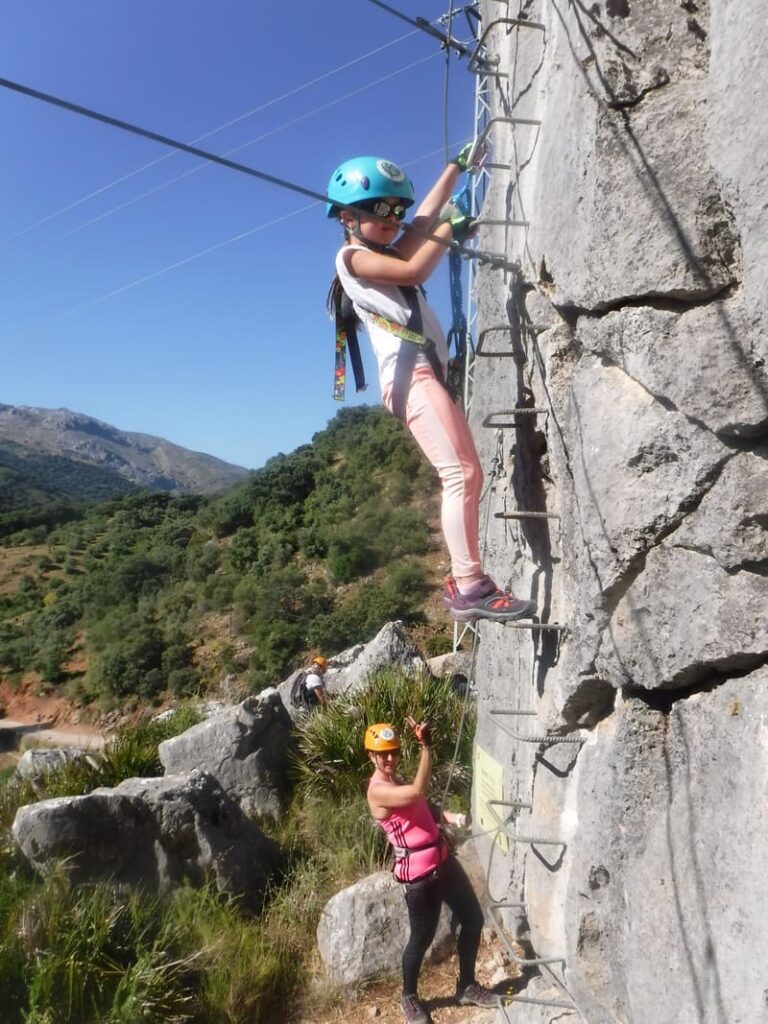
[
  {"x": 363, "y": 930},
  {"x": 671, "y": 838},
  {"x": 245, "y": 747},
  {"x": 153, "y": 833},
  {"x": 637, "y": 321}
]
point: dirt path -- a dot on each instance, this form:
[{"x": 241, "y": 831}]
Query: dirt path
[
  {"x": 33, "y": 718},
  {"x": 41, "y": 734}
]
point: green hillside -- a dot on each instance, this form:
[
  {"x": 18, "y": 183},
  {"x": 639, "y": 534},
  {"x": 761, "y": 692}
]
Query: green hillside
[
  {"x": 149, "y": 593},
  {"x": 30, "y": 481}
]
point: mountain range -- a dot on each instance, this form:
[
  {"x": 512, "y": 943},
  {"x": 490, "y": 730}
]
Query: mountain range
[{"x": 47, "y": 453}]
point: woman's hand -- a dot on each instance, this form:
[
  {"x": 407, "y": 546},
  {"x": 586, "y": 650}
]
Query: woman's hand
[{"x": 421, "y": 731}]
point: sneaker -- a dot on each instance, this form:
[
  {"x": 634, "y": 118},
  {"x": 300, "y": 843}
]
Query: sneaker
[
  {"x": 484, "y": 601},
  {"x": 414, "y": 1011},
  {"x": 476, "y": 995}
]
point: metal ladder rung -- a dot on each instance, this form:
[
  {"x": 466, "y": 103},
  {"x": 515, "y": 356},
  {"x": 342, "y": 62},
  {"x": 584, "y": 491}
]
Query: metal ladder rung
[
  {"x": 536, "y": 626},
  {"x": 527, "y": 122},
  {"x": 479, "y": 64},
  {"x": 514, "y": 837},
  {"x": 525, "y": 515},
  {"x": 488, "y": 330},
  {"x": 531, "y": 737},
  {"x": 488, "y": 421},
  {"x": 509, "y": 803},
  {"x": 492, "y": 222}
]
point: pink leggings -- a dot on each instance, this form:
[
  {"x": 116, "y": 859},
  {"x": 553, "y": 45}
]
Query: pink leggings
[{"x": 442, "y": 433}]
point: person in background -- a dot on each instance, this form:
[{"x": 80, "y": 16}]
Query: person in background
[
  {"x": 314, "y": 684},
  {"x": 379, "y": 273},
  {"x": 430, "y": 874}
]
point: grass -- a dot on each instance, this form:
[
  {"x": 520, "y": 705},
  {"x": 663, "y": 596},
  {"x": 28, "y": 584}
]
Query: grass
[{"x": 96, "y": 955}]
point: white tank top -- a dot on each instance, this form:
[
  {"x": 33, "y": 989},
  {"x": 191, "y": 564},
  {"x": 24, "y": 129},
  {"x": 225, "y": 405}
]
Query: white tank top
[{"x": 387, "y": 301}]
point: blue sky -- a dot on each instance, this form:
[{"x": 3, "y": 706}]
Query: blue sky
[{"x": 229, "y": 351}]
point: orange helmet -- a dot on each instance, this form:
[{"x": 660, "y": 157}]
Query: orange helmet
[
  {"x": 381, "y": 736},
  {"x": 321, "y": 661}
]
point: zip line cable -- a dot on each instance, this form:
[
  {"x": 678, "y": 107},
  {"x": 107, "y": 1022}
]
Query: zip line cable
[
  {"x": 194, "y": 170},
  {"x": 206, "y": 135},
  {"x": 421, "y": 23},
  {"x": 187, "y": 259},
  {"x": 204, "y": 252},
  {"x": 271, "y": 179}
]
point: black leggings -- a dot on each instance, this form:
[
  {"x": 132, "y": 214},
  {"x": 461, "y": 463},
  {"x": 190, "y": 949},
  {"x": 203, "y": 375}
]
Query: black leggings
[{"x": 449, "y": 884}]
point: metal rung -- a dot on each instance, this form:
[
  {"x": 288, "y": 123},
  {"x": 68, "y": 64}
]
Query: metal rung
[
  {"x": 522, "y": 737},
  {"x": 536, "y": 626},
  {"x": 488, "y": 421},
  {"x": 509, "y": 803},
  {"x": 487, "y": 222},
  {"x": 514, "y": 121},
  {"x": 504, "y": 905},
  {"x": 479, "y": 63},
  {"x": 514, "y": 837},
  {"x": 512, "y": 711},
  {"x": 525, "y": 515},
  {"x": 481, "y": 339}
]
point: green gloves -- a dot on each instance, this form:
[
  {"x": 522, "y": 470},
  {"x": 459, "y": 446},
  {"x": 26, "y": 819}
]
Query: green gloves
[
  {"x": 461, "y": 223},
  {"x": 462, "y": 158},
  {"x": 471, "y": 156}
]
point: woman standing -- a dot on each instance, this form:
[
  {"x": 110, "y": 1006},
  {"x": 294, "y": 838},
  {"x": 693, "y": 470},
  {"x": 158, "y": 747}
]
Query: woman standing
[{"x": 428, "y": 871}]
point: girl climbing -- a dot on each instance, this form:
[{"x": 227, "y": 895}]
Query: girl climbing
[
  {"x": 428, "y": 871},
  {"x": 378, "y": 283}
]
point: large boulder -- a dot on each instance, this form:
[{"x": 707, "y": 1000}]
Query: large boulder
[
  {"x": 35, "y": 764},
  {"x": 245, "y": 747},
  {"x": 349, "y": 670},
  {"x": 364, "y": 928},
  {"x": 154, "y": 833}
]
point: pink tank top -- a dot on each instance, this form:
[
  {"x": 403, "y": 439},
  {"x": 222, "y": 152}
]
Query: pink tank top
[{"x": 409, "y": 828}]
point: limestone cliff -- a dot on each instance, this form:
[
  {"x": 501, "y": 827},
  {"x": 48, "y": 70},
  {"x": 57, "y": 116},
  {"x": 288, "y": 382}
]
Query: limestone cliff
[{"x": 635, "y": 209}]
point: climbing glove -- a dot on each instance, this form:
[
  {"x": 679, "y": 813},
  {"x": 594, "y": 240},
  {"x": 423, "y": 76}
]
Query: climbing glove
[
  {"x": 422, "y": 733},
  {"x": 470, "y": 156},
  {"x": 461, "y": 223}
]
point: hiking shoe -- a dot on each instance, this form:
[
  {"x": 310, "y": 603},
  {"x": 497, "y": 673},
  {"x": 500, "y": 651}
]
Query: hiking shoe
[
  {"x": 414, "y": 1011},
  {"x": 476, "y": 995},
  {"x": 484, "y": 601}
]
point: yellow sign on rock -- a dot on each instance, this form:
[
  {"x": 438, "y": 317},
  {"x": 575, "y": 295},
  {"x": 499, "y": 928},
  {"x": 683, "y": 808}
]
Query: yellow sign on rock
[{"x": 489, "y": 785}]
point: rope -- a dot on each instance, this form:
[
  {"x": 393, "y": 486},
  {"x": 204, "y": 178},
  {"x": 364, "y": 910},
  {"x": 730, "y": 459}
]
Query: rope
[
  {"x": 213, "y": 131},
  {"x": 271, "y": 179},
  {"x": 202, "y": 167}
]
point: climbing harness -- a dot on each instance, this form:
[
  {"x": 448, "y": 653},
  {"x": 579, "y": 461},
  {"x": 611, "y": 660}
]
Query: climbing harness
[{"x": 412, "y": 336}]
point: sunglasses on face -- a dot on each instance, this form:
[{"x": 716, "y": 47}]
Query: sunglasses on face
[{"x": 381, "y": 208}]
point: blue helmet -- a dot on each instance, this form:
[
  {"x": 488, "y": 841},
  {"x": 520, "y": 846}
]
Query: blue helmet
[{"x": 367, "y": 177}]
